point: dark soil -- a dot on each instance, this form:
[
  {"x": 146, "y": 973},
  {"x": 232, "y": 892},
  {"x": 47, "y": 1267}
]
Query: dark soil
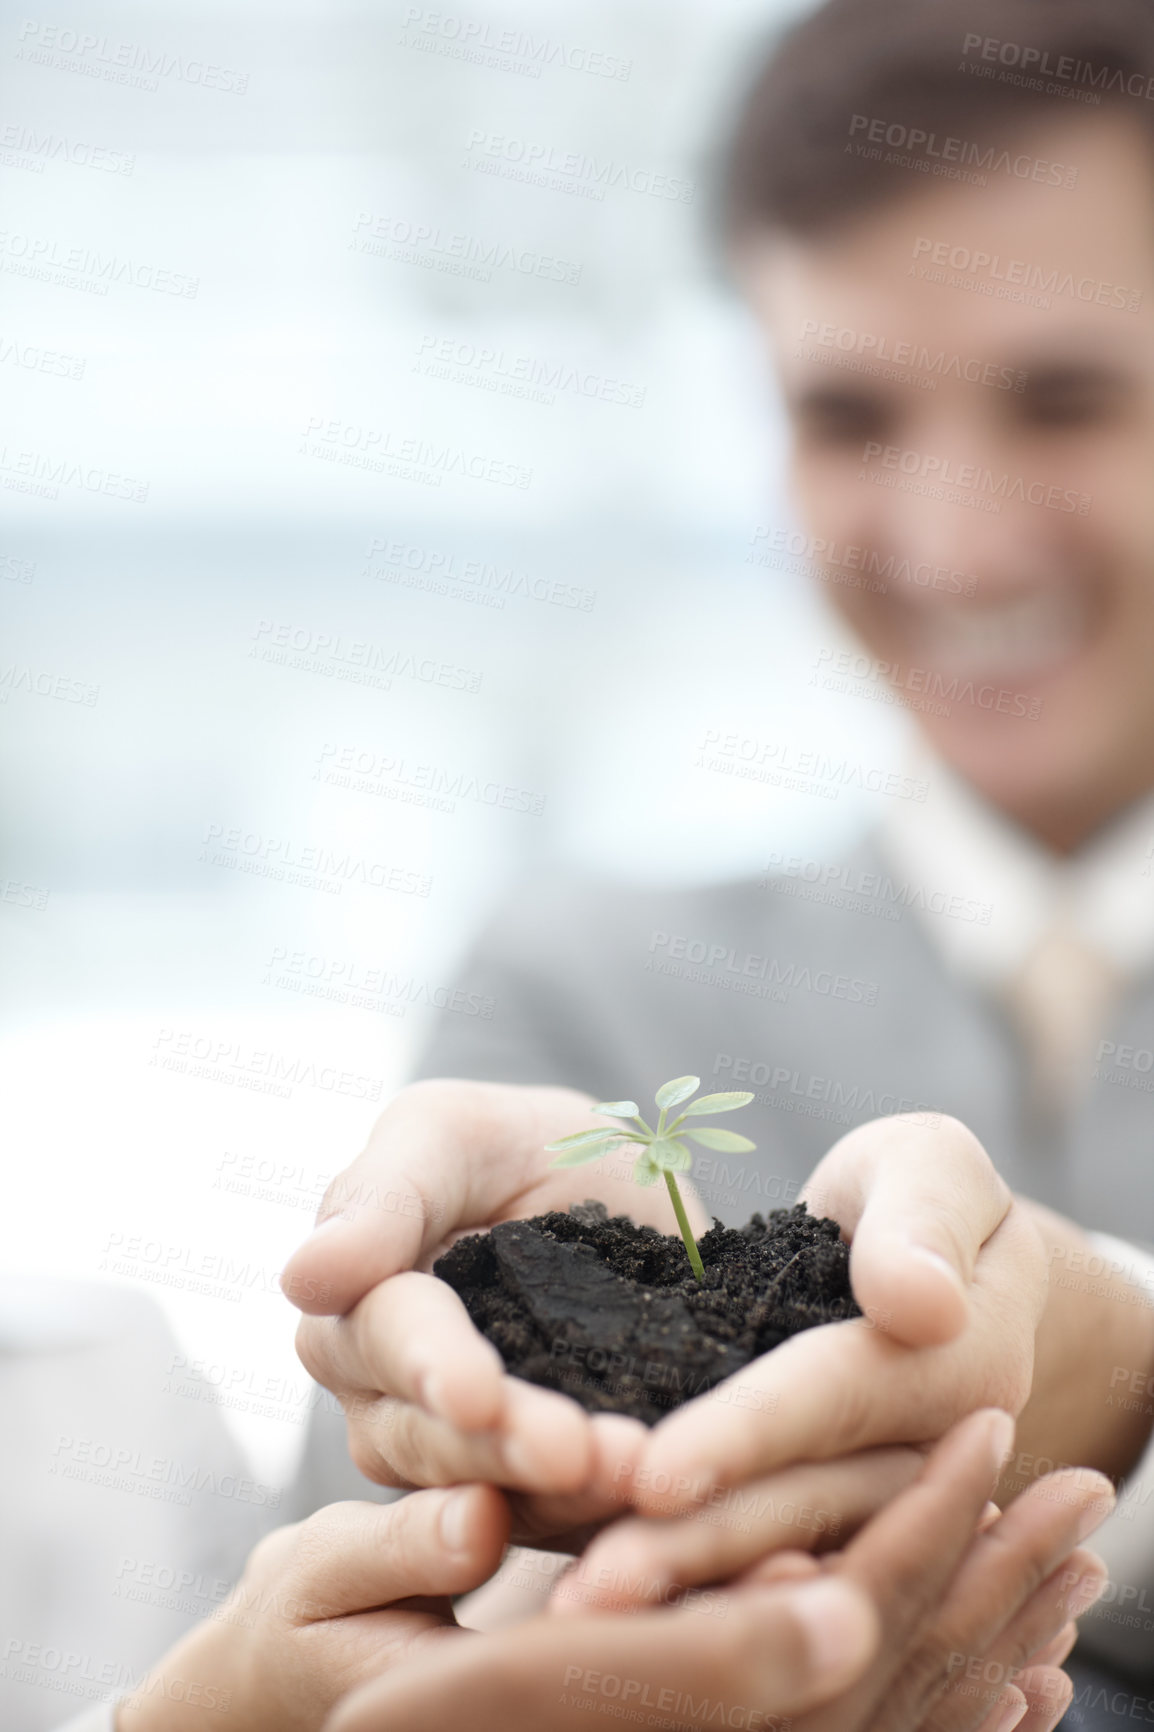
[{"x": 612, "y": 1314}]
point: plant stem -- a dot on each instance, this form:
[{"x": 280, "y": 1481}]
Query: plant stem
[{"x": 683, "y": 1223}]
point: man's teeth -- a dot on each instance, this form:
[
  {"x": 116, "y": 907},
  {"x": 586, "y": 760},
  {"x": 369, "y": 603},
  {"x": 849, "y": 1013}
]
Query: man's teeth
[{"x": 1020, "y": 638}]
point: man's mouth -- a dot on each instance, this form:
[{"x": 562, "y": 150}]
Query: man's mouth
[{"x": 1022, "y": 639}]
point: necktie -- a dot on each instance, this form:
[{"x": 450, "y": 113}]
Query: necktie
[{"x": 1059, "y": 1000}]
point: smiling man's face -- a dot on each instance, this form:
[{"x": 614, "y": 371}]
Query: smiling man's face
[{"x": 953, "y": 469}]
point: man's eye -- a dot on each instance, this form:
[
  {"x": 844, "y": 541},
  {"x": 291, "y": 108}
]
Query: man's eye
[
  {"x": 841, "y": 421},
  {"x": 1073, "y": 402}
]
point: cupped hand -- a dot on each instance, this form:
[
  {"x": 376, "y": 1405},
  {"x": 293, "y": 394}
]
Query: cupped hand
[
  {"x": 950, "y": 1273},
  {"x": 883, "y": 1637},
  {"x": 425, "y": 1395}
]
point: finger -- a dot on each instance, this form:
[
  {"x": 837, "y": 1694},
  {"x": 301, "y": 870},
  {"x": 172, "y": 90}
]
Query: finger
[
  {"x": 410, "y": 1337},
  {"x": 781, "y": 1567},
  {"x": 1049, "y": 1693},
  {"x": 918, "y": 1201},
  {"x": 351, "y": 1557},
  {"x": 846, "y": 1387},
  {"x": 1035, "y": 1702},
  {"x": 907, "y": 1555},
  {"x": 989, "y": 1516},
  {"x": 808, "y": 1507},
  {"x": 1039, "y": 1635},
  {"x": 906, "y": 1558},
  {"x": 1045, "y": 1629},
  {"x": 778, "y": 1650},
  {"x": 1010, "y": 1569},
  {"x": 568, "y": 1522},
  {"x": 1067, "y": 1594},
  {"x": 777, "y": 1567},
  {"x": 445, "y": 1154},
  {"x": 1008, "y": 1712},
  {"x": 542, "y": 1443},
  {"x": 1054, "y": 1653},
  {"x": 1005, "y": 1603}
]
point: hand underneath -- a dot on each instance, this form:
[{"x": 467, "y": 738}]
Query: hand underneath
[
  {"x": 888, "y": 1636},
  {"x": 311, "y": 1617}
]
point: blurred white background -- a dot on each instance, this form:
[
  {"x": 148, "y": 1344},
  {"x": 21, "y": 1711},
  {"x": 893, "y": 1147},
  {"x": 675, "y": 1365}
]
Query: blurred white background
[{"x": 304, "y": 379}]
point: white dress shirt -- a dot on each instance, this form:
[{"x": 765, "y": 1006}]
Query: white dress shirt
[{"x": 956, "y": 841}]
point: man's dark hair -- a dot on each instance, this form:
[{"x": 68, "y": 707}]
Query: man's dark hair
[{"x": 849, "y": 85}]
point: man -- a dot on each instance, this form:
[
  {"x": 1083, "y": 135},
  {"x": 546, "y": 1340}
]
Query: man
[
  {"x": 1025, "y": 876},
  {"x": 953, "y": 259}
]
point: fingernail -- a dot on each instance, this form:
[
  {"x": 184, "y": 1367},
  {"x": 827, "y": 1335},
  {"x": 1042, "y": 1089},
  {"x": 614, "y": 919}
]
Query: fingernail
[
  {"x": 695, "y": 1483},
  {"x": 622, "y": 1573},
  {"x": 1085, "y": 1591},
  {"x": 940, "y": 1263},
  {"x": 571, "y": 1593},
  {"x": 1001, "y": 1438},
  {"x": 560, "y": 1603},
  {"x": 1095, "y": 1514},
  {"x": 324, "y": 1227},
  {"x": 1012, "y": 1713},
  {"x": 454, "y": 1521},
  {"x": 619, "y": 1444},
  {"x": 520, "y": 1461},
  {"x": 703, "y": 1483},
  {"x": 839, "y": 1627},
  {"x": 565, "y": 1598},
  {"x": 430, "y": 1393}
]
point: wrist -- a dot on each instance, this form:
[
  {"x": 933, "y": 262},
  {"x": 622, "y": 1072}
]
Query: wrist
[
  {"x": 192, "y": 1689},
  {"x": 1095, "y": 1339}
]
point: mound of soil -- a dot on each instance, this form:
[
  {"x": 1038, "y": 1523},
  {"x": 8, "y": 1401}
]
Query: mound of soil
[{"x": 612, "y": 1314}]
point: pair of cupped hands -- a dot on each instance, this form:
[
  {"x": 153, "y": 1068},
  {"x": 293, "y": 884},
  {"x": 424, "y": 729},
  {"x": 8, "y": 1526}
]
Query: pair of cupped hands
[{"x": 885, "y": 1437}]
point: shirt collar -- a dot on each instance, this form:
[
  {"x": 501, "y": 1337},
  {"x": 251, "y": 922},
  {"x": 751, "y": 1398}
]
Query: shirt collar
[{"x": 996, "y": 889}]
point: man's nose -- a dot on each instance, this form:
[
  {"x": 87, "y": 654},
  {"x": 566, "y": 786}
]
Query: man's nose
[{"x": 952, "y": 521}]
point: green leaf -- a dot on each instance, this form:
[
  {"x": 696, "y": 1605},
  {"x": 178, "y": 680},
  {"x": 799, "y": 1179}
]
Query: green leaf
[
  {"x": 644, "y": 1172},
  {"x": 727, "y": 1141},
  {"x": 576, "y": 1138},
  {"x": 621, "y": 1109},
  {"x": 577, "y": 1157},
  {"x": 671, "y": 1094},
  {"x": 728, "y": 1103},
  {"x": 671, "y": 1155}
]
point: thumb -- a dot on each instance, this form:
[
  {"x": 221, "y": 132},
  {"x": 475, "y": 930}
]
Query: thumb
[
  {"x": 919, "y": 1197},
  {"x": 356, "y": 1557}
]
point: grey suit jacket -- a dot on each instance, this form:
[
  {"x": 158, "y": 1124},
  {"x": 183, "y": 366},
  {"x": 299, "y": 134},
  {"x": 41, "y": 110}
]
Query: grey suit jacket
[{"x": 833, "y": 1012}]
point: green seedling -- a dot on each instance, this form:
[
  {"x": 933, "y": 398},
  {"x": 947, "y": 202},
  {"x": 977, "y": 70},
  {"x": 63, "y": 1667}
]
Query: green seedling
[{"x": 664, "y": 1151}]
